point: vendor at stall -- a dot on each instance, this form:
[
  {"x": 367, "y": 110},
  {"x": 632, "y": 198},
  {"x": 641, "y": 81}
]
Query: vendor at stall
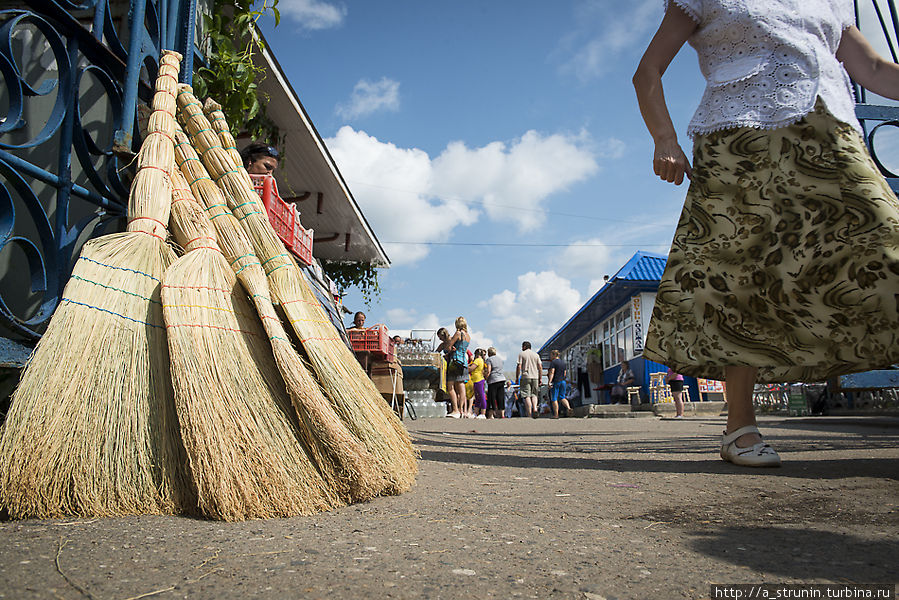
[{"x": 260, "y": 158}]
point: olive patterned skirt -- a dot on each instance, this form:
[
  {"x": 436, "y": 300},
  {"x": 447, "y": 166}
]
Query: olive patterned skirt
[{"x": 785, "y": 258}]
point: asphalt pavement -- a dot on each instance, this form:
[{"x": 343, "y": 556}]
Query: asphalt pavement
[{"x": 583, "y": 508}]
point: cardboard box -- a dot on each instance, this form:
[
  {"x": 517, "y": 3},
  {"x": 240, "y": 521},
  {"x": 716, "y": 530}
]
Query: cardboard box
[
  {"x": 383, "y": 367},
  {"x": 384, "y": 381}
]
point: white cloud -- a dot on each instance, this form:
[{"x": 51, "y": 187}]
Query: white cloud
[
  {"x": 434, "y": 196},
  {"x": 513, "y": 180},
  {"x": 313, "y": 14},
  {"x": 606, "y": 31},
  {"x": 385, "y": 180},
  {"x": 369, "y": 97},
  {"x": 540, "y": 305},
  {"x": 612, "y": 148},
  {"x": 409, "y": 318},
  {"x": 592, "y": 258}
]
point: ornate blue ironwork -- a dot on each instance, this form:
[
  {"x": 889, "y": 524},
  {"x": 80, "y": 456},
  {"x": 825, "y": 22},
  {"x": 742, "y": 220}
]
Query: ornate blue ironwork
[{"x": 70, "y": 91}]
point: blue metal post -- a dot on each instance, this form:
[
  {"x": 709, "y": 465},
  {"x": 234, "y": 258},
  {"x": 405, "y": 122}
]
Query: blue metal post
[{"x": 124, "y": 135}]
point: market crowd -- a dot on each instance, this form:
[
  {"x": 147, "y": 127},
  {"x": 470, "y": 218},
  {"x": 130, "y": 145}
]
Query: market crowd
[{"x": 478, "y": 389}]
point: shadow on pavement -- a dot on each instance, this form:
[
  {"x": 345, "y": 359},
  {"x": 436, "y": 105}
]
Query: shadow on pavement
[
  {"x": 817, "y": 469},
  {"x": 802, "y": 553}
]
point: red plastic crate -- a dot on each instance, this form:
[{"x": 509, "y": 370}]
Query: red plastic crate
[
  {"x": 374, "y": 340},
  {"x": 284, "y": 219},
  {"x": 302, "y": 242}
]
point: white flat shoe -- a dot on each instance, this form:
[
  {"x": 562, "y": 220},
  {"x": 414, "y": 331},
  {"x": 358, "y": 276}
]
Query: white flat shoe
[{"x": 759, "y": 455}]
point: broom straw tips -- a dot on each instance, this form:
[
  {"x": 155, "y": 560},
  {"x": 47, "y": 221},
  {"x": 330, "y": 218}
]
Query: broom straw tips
[{"x": 231, "y": 402}]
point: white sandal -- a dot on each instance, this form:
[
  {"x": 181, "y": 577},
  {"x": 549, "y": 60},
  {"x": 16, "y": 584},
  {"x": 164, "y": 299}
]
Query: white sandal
[{"x": 759, "y": 455}]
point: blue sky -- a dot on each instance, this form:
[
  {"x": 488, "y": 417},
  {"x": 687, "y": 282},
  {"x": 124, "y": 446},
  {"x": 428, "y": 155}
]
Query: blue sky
[{"x": 502, "y": 122}]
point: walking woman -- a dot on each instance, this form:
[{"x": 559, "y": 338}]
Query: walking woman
[{"x": 785, "y": 263}]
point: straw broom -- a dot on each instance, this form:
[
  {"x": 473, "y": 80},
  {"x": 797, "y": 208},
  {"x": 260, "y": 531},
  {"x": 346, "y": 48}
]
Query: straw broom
[
  {"x": 213, "y": 112},
  {"x": 92, "y": 430},
  {"x": 350, "y": 390},
  {"x": 230, "y": 399},
  {"x": 345, "y": 463},
  {"x": 271, "y": 247}
]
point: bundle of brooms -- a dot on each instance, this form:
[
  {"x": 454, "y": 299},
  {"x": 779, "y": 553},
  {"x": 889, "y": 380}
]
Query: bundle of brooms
[
  {"x": 347, "y": 467},
  {"x": 236, "y": 418},
  {"x": 92, "y": 429},
  {"x": 344, "y": 382}
]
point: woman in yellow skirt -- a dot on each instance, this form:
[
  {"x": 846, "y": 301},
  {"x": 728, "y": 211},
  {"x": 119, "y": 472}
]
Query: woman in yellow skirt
[{"x": 785, "y": 263}]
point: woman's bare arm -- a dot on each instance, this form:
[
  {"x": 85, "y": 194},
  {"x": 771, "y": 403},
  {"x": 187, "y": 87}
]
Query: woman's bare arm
[
  {"x": 669, "y": 161},
  {"x": 866, "y": 66}
]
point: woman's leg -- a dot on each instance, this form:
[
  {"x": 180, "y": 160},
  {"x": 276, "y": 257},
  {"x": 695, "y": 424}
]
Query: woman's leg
[
  {"x": 740, "y": 411},
  {"x": 678, "y": 403},
  {"x": 454, "y": 398},
  {"x": 463, "y": 400},
  {"x": 480, "y": 392},
  {"x": 494, "y": 410}
]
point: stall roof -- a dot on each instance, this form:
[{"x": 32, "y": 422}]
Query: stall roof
[
  {"x": 341, "y": 230},
  {"x": 642, "y": 273}
]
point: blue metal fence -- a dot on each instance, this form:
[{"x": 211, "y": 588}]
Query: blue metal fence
[{"x": 65, "y": 179}]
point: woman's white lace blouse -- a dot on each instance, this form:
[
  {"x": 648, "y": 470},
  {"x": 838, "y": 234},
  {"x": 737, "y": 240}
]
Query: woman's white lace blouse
[{"x": 765, "y": 61}]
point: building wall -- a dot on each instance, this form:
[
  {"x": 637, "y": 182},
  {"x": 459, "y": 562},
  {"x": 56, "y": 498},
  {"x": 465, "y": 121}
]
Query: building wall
[{"x": 641, "y": 306}]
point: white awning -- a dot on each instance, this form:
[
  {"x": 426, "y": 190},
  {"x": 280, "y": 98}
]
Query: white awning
[{"x": 341, "y": 230}]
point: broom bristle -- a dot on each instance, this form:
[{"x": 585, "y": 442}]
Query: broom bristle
[
  {"x": 346, "y": 464},
  {"x": 92, "y": 428},
  {"x": 231, "y": 402},
  {"x": 350, "y": 390}
]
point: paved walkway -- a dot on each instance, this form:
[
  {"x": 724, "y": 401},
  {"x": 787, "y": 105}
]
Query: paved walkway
[{"x": 520, "y": 508}]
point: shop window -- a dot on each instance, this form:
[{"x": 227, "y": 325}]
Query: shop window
[{"x": 617, "y": 334}]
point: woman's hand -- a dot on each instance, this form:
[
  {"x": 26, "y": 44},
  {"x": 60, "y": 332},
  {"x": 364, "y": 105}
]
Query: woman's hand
[{"x": 670, "y": 163}]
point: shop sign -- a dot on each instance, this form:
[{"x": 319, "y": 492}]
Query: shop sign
[
  {"x": 710, "y": 385},
  {"x": 637, "y": 311}
]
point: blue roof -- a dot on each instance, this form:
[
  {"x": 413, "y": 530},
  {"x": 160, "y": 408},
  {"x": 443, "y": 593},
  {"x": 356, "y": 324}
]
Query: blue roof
[
  {"x": 643, "y": 266},
  {"x": 642, "y": 273}
]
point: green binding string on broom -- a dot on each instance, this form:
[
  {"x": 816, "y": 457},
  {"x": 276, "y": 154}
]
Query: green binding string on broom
[
  {"x": 235, "y": 414},
  {"x": 92, "y": 430}
]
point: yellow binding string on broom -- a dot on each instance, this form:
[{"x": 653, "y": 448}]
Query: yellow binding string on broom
[{"x": 246, "y": 455}]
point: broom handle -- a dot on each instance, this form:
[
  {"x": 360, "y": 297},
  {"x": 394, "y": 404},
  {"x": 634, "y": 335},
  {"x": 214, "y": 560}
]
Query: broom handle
[
  {"x": 246, "y": 204},
  {"x": 149, "y": 200}
]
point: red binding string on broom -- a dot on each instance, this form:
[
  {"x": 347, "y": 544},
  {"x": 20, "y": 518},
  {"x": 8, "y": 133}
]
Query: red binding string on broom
[
  {"x": 149, "y": 219},
  {"x": 166, "y": 171},
  {"x": 203, "y": 237}
]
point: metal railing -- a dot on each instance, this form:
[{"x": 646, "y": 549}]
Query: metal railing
[{"x": 73, "y": 74}]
